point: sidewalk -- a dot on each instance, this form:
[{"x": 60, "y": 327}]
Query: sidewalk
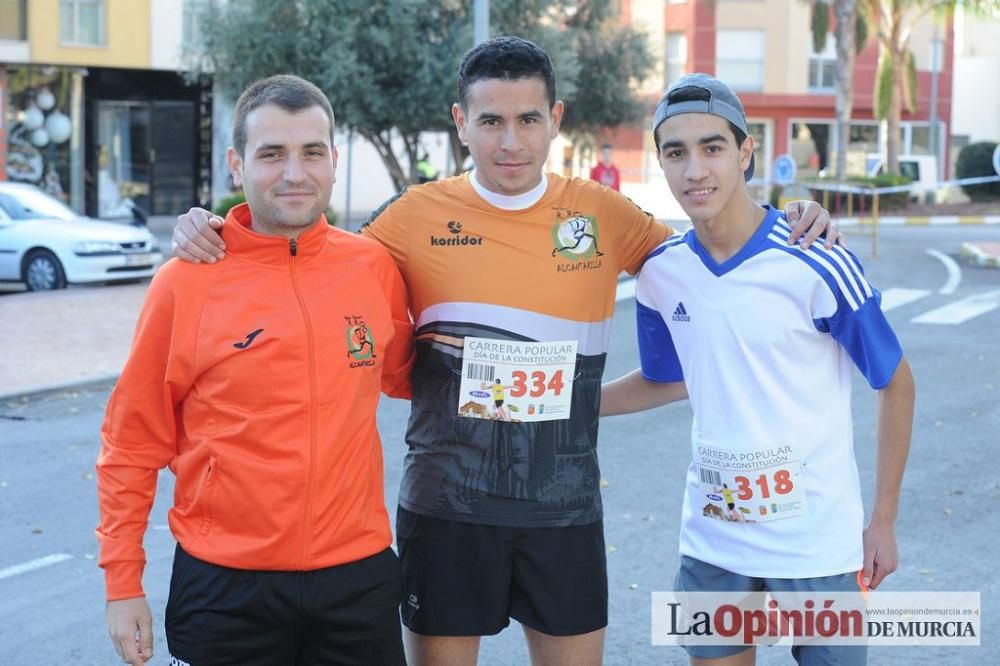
[
  {"x": 981, "y": 253},
  {"x": 56, "y": 339}
]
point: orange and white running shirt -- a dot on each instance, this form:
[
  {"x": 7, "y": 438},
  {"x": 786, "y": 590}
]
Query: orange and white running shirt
[{"x": 515, "y": 303}]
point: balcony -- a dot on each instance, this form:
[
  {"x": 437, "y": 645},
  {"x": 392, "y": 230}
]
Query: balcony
[{"x": 14, "y": 20}]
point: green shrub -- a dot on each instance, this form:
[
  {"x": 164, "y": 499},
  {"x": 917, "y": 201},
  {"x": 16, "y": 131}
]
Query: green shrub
[
  {"x": 223, "y": 206},
  {"x": 775, "y": 195},
  {"x": 976, "y": 159},
  {"x": 838, "y": 200}
]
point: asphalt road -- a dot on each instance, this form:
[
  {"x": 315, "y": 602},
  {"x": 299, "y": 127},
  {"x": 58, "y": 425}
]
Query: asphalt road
[{"x": 947, "y": 531}]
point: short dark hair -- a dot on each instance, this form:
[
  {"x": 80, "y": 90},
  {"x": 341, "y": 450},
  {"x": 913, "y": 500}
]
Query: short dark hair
[
  {"x": 507, "y": 58},
  {"x": 695, "y": 94},
  {"x": 285, "y": 91},
  {"x": 606, "y": 146}
]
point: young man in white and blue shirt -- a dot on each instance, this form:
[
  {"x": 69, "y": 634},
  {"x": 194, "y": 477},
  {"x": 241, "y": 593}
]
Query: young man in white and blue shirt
[{"x": 762, "y": 336}]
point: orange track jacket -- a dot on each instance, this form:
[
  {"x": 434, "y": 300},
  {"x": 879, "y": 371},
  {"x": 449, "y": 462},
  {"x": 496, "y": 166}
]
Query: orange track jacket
[{"x": 256, "y": 380}]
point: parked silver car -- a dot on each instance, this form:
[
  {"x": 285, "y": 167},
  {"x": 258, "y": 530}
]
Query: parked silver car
[{"x": 46, "y": 245}]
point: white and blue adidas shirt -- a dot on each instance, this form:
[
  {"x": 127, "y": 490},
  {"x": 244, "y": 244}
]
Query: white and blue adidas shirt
[{"x": 765, "y": 342}]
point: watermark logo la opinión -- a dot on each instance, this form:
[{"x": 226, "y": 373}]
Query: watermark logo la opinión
[{"x": 816, "y": 618}]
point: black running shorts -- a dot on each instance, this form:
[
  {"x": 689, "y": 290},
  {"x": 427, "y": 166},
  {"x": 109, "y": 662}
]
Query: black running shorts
[
  {"x": 346, "y": 614},
  {"x": 465, "y": 579}
]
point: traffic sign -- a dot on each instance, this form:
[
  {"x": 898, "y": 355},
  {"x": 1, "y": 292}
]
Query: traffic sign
[
  {"x": 996, "y": 159},
  {"x": 784, "y": 169}
]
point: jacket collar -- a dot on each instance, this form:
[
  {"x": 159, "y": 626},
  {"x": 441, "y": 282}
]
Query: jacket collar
[{"x": 243, "y": 242}]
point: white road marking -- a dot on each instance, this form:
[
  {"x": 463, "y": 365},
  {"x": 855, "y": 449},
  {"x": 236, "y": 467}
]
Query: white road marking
[
  {"x": 897, "y": 297},
  {"x": 961, "y": 311},
  {"x": 40, "y": 563},
  {"x": 954, "y": 272},
  {"x": 625, "y": 290}
]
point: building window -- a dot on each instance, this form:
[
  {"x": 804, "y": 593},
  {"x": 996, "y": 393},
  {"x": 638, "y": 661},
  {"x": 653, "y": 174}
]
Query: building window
[
  {"x": 81, "y": 22},
  {"x": 823, "y": 68},
  {"x": 13, "y": 20},
  {"x": 739, "y": 59},
  {"x": 920, "y": 141},
  {"x": 676, "y": 65},
  {"x": 810, "y": 146},
  {"x": 761, "y": 133}
]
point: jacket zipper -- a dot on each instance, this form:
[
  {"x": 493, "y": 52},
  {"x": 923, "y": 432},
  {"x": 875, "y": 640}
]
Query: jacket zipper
[{"x": 293, "y": 249}]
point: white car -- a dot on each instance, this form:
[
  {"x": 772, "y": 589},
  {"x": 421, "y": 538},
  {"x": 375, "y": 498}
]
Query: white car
[{"x": 46, "y": 245}]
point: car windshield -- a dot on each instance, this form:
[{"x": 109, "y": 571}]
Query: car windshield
[{"x": 33, "y": 205}]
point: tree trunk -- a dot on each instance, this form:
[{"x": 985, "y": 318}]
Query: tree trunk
[
  {"x": 412, "y": 144},
  {"x": 458, "y": 151},
  {"x": 383, "y": 144},
  {"x": 895, "y": 114},
  {"x": 844, "y": 31}
]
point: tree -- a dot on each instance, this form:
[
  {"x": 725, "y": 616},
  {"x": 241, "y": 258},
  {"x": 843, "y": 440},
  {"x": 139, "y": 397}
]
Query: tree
[
  {"x": 384, "y": 64},
  {"x": 613, "y": 60},
  {"x": 849, "y": 39},
  {"x": 389, "y": 66},
  {"x": 896, "y": 75}
]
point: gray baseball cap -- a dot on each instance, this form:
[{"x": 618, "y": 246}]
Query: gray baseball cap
[{"x": 721, "y": 102}]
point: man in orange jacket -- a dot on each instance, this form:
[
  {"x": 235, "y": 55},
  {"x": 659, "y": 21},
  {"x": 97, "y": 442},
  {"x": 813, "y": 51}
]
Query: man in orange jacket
[{"x": 247, "y": 379}]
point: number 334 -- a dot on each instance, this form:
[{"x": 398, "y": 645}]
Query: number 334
[{"x": 539, "y": 383}]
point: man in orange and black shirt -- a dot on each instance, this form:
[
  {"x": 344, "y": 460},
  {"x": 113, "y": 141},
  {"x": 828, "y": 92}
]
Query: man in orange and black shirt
[
  {"x": 256, "y": 381},
  {"x": 511, "y": 272}
]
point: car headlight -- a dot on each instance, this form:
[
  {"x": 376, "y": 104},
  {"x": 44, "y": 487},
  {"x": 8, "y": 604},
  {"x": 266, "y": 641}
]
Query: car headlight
[{"x": 85, "y": 248}]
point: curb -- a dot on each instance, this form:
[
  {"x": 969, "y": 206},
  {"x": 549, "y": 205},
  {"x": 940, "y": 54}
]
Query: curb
[
  {"x": 977, "y": 255},
  {"x": 921, "y": 221},
  {"x": 36, "y": 391}
]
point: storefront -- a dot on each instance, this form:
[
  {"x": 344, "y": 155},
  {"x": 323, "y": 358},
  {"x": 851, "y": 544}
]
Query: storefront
[
  {"x": 149, "y": 143},
  {"x": 111, "y": 143},
  {"x": 41, "y": 112}
]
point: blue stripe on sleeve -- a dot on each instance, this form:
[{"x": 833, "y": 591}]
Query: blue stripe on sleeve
[
  {"x": 869, "y": 340},
  {"x": 809, "y": 260},
  {"x": 657, "y": 354}
]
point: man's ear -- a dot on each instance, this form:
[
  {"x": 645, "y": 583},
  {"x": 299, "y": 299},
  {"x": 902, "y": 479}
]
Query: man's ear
[
  {"x": 458, "y": 115},
  {"x": 557, "y": 115},
  {"x": 235, "y": 163},
  {"x": 746, "y": 151}
]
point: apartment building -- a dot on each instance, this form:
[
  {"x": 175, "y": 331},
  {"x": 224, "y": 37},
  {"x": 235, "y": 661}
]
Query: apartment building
[
  {"x": 764, "y": 50},
  {"x": 94, "y": 109}
]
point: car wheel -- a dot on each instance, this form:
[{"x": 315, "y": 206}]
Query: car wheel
[{"x": 42, "y": 271}]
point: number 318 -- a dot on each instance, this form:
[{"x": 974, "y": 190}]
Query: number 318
[{"x": 782, "y": 485}]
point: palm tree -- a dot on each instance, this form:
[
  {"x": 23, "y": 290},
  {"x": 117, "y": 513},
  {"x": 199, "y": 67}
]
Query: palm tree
[
  {"x": 850, "y": 35},
  {"x": 896, "y": 77}
]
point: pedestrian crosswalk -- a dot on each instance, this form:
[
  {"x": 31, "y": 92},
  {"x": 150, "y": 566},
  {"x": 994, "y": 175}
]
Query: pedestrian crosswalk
[
  {"x": 897, "y": 297},
  {"x": 952, "y": 312},
  {"x": 961, "y": 311}
]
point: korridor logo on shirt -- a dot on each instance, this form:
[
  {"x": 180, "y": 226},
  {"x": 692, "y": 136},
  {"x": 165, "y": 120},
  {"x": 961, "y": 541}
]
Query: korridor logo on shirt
[
  {"x": 360, "y": 343},
  {"x": 575, "y": 237},
  {"x": 457, "y": 238}
]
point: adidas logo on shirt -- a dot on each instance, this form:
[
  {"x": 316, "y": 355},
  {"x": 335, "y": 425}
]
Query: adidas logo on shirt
[{"x": 681, "y": 314}]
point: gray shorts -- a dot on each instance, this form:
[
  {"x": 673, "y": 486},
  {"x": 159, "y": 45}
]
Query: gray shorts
[{"x": 697, "y": 576}]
